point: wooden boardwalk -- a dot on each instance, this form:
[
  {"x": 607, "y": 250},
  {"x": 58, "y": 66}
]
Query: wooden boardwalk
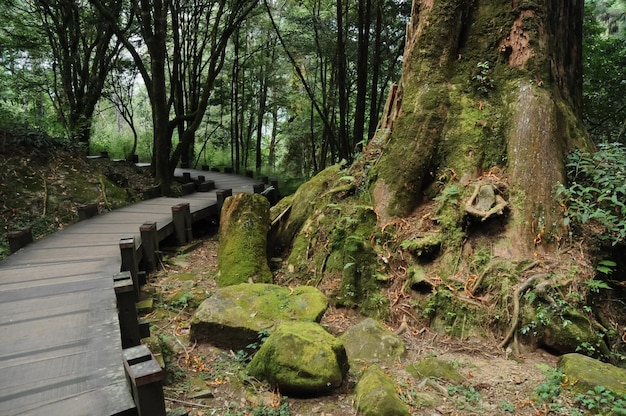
[{"x": 60, "y": 350}]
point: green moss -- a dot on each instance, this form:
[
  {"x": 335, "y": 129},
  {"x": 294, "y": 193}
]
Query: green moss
[
  {"x": 452, "y": 315},
  {"x": 185, "y": 277},
  {"x": 301, "y": 358},
  {"x": 434, "y": 368},
  {"x": 242, "y": 253},
  {"x": 583, "y": 374},
  {"x": 376, "y": 395}
]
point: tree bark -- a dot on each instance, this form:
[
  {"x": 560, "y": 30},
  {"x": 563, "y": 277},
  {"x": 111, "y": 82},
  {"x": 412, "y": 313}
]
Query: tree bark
[{"x": 487, "y": 85}]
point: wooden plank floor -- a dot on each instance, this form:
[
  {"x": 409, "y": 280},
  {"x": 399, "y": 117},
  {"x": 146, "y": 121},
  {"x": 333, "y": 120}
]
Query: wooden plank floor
[{"x": 60, "y": 351}]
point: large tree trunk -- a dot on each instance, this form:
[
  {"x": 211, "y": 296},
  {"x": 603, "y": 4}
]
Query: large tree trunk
[{"x": 486, "y": 85}]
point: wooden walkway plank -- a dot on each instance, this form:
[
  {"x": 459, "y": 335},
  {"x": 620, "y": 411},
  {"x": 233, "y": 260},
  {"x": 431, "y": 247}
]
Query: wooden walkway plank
[{"x": 60, "y": 345}]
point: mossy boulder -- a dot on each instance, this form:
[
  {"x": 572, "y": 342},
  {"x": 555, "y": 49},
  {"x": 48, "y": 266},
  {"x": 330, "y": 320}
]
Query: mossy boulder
[
  {"x": 583, "y": 373},
  {"x": 565, "y": 333},
  {"x": 242, "y": 254},
  {"x": 567, "y": 336},
  {"x": 376, "y": 395},
  {"x": 369, "y": 340},
  {"x": 301, "y": 358},
  {"x": 233, "y": 316},
  {"x": 304, "y": 203},
  {"x": 434, "y": 368}
]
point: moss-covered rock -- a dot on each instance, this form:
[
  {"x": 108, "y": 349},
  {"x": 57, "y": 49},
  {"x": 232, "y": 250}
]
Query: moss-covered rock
[
  {"x": 583, "y": 373},
  {"x": 434, "y": 368},
  {"x": 371, "y": 341},
  {"x": 233, "y": 316},
  {"x": 242, "y": 254},
  {"x": 376, "y": 395},
  {"x": 301, "y": 358},
  {"x": 305, "y": 201},
  {"x": 568, "y": 334},
  {"x": 562, "y": 332}
]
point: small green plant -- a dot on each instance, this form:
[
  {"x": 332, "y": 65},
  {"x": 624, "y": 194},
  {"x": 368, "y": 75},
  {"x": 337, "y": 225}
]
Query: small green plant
[
  {"x": 596, "y": 191},
  {"x": 595, "y": 285},
  {"x": 548, "y": 392},
  {"x": 482, "y": 81},
  {"x": 507, "y": 407},
  {"x": 281, "y": 410},
  {"x": 602, "y": 401},
  {"x": 450, "y": 194},
  {"x": 464, "y": 397},
  {"x": 182, "y": 301},
  {"x": 606, "y": 267}
]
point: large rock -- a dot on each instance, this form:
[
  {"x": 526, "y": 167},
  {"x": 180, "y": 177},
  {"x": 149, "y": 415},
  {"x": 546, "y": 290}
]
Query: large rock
[
  {"x": 371, "y": 341},
  {"x": 242, "y": 253},
  {"x": 583, "y": 373},
  {"x": 301, "y": 358},
  {"x": 376, "y": 395},
  {"x": 233, "y": 316}
]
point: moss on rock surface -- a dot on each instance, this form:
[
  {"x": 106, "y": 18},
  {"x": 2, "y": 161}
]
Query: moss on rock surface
[
  {"x": 376, "y": 395},
  {"x": 434, "y": 368},
  {"x": 369, "y": 340},
  {"x": 301, "y": 358},
  {"x": 242, "y": 254},
  {"x": 583, "y": 373},
  {"x": 233, "y": 316}
]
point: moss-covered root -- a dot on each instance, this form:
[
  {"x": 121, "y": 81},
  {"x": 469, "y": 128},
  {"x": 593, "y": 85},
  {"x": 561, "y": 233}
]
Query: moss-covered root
[{"x": 242, "y": 255}]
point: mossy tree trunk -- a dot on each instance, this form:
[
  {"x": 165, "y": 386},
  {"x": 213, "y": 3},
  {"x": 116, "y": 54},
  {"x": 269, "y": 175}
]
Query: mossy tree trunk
[{"x": 486, "y": 86}]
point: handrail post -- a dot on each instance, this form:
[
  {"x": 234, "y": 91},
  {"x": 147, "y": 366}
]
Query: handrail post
[
  {"x": 87, "y": 211},
  {"x": 146, "y": 378},
  {"x": 274, "y": 194},
  {"x": 181, "y": 217},
  {"x": 258, "y": 188},
  {"x": 206, "y": 186},
  {"x": 222, "y": 194},
  {"x": 129, "y": 261},
  {"x": 126, "y": 309},
  {"x": 149, "y": 244},
  {"x": 19, "y": 239}
]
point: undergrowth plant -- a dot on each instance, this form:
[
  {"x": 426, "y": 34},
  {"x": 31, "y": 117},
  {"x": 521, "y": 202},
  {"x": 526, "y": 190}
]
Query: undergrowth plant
[
  {"x": 602, "y": 401},
  {"x": 597, "y": 191}
]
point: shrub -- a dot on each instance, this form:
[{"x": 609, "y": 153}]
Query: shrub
[{"x": 596, "y": 191}]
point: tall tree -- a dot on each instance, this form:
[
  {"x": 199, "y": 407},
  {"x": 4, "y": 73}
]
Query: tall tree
[
  {"x": 172, "y": 31},
  {"x": 486, "y": 86},
  {"x": 604, "y": 92},
  {"x": 82, "y": 50}
]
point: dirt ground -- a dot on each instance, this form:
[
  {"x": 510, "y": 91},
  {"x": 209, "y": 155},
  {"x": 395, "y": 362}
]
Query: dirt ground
[{"x": 209, "y": 381}]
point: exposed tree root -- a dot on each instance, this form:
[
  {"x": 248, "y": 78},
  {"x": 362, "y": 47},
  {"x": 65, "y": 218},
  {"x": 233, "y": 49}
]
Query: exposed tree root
[
  {"x": 516, "y": 297},
  {"x": 500, "y": 204}
]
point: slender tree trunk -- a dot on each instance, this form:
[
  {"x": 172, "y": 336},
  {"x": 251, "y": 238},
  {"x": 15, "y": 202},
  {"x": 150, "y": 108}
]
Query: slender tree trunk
[
  {"x": 341, "y": 70},
  {"x": 487, "y": 88},
  {"x": 376, "y": 62},
  {"x": 362, "y": 69}
]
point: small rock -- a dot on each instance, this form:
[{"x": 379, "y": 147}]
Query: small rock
[
  {"x": 376, "y": 395},
  {"x": 371, "y": 341},
  {"x": 434, "y": 368},
  {"x": 202, "y": 394}
]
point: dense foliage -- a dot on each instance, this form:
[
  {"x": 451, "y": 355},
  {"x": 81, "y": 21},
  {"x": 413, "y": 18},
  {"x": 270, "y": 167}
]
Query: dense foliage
[
  {"x": 604, "y": 80},
  {"x": 597, "y": 191}
]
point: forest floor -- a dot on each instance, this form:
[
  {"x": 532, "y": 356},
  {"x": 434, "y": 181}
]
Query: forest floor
[
  {"x": 43, "y": 189},
  {"x": 209, "y": 381}
]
